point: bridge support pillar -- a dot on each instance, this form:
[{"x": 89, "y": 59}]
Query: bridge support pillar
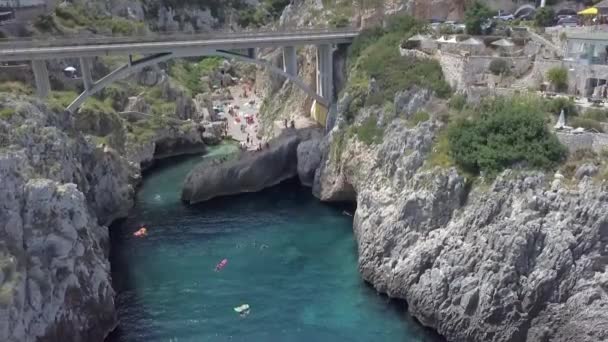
[
  {"x": 85, "y": 69},
  {"x": 251, "y": 53},
  {"x": 290, "y": 60},
  {"x": 41, "y": 76},
  {"x": 325, "y": 72}
]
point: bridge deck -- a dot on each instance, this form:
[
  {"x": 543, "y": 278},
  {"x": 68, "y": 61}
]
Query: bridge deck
[{"x": 180, "y": 45}]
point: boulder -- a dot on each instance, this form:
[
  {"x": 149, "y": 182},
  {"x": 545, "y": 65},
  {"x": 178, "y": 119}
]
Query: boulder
[
  {"x": 252, "y": 172},
  {"x": 586, "y": 170},
  {"x": 137, "y": 104},
  {"x": 203, "y": 108}
]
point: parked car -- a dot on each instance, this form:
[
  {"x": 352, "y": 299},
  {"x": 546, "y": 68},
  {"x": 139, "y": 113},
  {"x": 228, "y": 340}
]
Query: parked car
[
  {"x": 568, "y": 21},
  {"x": 565, "y": 12}
]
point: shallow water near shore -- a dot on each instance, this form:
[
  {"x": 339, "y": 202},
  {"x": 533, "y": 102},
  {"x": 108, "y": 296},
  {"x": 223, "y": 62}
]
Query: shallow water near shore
[{"x": 290, "y": 257}]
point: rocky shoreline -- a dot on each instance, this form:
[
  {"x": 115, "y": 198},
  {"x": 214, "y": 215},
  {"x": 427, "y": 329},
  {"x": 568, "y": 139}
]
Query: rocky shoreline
[{"x": 522, "y": 258}]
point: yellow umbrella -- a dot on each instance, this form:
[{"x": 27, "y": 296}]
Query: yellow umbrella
[{"x": 589, "y": 11}]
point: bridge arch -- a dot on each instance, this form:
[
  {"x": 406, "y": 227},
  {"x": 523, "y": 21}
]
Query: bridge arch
[{"x": 134, "y": 66}]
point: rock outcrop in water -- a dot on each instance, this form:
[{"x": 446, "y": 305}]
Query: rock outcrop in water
[
  {"x": 253, "y": 171},
  {"x": 515, "y": 260}
]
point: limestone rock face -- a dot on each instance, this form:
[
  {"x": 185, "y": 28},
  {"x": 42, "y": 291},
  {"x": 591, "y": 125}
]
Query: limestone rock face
[
  {"x": 438, "y": 9},
  {"x": 252, "y": 172},
  {"x": 511, "y": 260},
  {"x": 410, "y": 101},
  {"x": 57, "y": 188},
  {"x": 203, "y": 108},
  {"x": 309, "y": 158}
]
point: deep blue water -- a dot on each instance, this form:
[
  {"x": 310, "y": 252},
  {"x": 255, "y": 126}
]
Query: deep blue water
[{"x": 290, "y": 257}]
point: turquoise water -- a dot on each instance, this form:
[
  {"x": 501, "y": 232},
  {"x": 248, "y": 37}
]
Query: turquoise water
[{"x": 291, "y": 258}]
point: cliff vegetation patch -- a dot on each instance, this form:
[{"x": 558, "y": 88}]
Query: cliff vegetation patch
[
  {"x": 502, "y": 132},
  {"x": 378, "y": 71}
]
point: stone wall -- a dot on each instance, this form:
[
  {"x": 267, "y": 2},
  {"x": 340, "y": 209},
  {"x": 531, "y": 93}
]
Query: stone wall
[
  {"x": 475, "y": 94},
  {"x": 585, "y": 141},
  {"x": 453, "y": 69},
  {"x": 464, "y": 71}
]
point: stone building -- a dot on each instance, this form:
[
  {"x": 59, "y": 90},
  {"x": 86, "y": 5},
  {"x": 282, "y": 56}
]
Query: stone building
[{"x": 587, "y": 57}]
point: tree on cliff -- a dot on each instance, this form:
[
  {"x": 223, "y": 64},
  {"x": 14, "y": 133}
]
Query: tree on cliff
[
  {"x": 544, "y": 17},
  {"x": 475, "y": 16},
  {"x": 502, "y": 132}
]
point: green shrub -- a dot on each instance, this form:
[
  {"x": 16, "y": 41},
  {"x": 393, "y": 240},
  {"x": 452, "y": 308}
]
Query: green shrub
[
  {"x": 15, "y": 87},
  {"x": 72, "y": 16},
  {"x": 60, "y": 100},
  {"x": 369, "y": 132},
  {"x": 499, "y": 67},
  {"x": 475, "y": 16},
  {"x": 440, "y": 154},
  {"x": 189, "y": 74},
  {"x": 457, "y": 101},
  {"x": 339, "y": 21},
  {"x": 558, "y": 77},
  {"x": 555, "y": 106},
  {"x": 6, "y": 113},
  {"x": 45, "y": 23},
  {"x": 596, "y": 114},
  {"x": 121, "y": 26},
  {"x": 417, "y": 118},
  {"x": 544, "y": 17},
  {"x": 503, "y": 132},
  {"x": 374, "y": 57},
  {"x": 586, "y": 123}
]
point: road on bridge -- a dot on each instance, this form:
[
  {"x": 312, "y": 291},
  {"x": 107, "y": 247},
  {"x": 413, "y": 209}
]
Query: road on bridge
[{"x": 182, "y": 45}]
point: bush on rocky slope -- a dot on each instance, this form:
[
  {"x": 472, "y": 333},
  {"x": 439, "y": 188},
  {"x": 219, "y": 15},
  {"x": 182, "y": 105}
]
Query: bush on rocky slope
[
  {"x": 378, "y": 71},
  {"x": 502, "y": 132}
]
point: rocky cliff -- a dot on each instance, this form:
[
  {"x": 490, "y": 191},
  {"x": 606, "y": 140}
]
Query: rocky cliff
[
  {"x": 514, "y": 259},
  {"x": 60, "y": 187},
  {"x": 57, "y": 188}
]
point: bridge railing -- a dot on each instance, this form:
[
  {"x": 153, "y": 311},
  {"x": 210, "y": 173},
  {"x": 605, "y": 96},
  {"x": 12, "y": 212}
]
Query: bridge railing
[{"x": 37, "y": 42}]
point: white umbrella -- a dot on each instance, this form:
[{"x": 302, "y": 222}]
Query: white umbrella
[
  {"x": 471, "y": 41},
  {"x": 70, "y": 69},
  {"x": 417, "y": 38},
  {"x": 503, "y": 43}
]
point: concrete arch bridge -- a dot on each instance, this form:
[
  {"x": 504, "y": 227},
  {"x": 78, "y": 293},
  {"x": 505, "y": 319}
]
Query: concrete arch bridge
[{"x": 161, "y": 48}]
